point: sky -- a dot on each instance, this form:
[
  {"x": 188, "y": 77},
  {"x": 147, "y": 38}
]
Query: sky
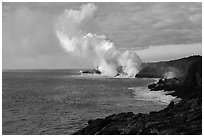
[{"x": 155, "y": 31}]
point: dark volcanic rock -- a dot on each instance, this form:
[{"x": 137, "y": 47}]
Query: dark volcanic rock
[
  {"x": 172, "y": 121},
  {"x": 94, "y": 71},
  {"x": 183, "y": 118},
  {"x": 152, "y": 86},
  {"x": 166, "y": 84}
]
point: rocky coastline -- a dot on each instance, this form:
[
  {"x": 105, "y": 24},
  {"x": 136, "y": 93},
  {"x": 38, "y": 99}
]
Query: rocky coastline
[{"x": 182, "y": 118}]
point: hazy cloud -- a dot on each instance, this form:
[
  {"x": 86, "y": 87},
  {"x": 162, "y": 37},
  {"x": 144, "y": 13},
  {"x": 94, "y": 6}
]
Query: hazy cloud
[
  {"x": 169, "y": 52},
  {"x": 29, "y": 36}
]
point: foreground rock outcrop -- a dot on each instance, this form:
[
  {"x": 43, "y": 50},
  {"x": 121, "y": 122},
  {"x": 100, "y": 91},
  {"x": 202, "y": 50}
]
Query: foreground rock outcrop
[
  {"x": 167, "y": 84},
  {"x": 183, "y": 118}
]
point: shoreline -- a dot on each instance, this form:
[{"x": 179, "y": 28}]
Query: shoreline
[
  {"x": 144, "y": 94},
  {"x": 182, "y": 118}
]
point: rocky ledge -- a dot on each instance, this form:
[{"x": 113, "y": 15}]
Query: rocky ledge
[
  {"x": 183, "y": 118},
  {"x": 166, "y": 84}
]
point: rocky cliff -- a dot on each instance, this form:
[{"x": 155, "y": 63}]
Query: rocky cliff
[
  {"x": 175, "y": 68},
  {"x": 183, "y": 118}
]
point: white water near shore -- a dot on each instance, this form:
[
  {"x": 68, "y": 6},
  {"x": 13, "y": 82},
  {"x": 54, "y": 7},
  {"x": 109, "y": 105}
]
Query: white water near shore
[{"x": 160, "y": 97}]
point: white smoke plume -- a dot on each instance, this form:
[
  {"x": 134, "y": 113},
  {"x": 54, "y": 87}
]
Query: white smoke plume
[
  {"x": 172, "y": 72},
  {"x": 169, "y": 75},
  {"x": 75, "y": 30}
]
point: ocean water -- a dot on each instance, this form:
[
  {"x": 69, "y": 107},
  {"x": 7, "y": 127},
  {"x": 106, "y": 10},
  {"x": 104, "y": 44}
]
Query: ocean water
[{"x": 61, "y": 102}]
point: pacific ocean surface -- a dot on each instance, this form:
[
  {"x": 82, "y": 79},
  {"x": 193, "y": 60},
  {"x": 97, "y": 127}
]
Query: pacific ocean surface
[{"x": 61, "y": 102}]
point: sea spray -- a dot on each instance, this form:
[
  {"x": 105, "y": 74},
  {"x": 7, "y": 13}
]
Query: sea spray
[
  {"x": 172, "y": 72},
  {"x": 160, "y": 97},
  {"x": 75, "y": 31}
]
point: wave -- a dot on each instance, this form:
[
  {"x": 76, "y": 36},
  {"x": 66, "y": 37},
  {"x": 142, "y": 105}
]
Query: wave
[{"x": 160, "y": 97}]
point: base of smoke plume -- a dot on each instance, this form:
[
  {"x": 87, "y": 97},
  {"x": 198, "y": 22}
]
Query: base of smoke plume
[{"x": 99, "y": 76}]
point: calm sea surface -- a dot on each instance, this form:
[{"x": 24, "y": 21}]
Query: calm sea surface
[{"x": 61, "y": 102}]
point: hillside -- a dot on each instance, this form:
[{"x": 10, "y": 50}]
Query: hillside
[{"x": 167, "y": 69}]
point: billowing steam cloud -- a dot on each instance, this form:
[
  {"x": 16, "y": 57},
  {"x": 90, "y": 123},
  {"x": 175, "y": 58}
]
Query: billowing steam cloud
[
  {"x": 75, "y": 28},
  {"x": 172, "y": 72}
]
